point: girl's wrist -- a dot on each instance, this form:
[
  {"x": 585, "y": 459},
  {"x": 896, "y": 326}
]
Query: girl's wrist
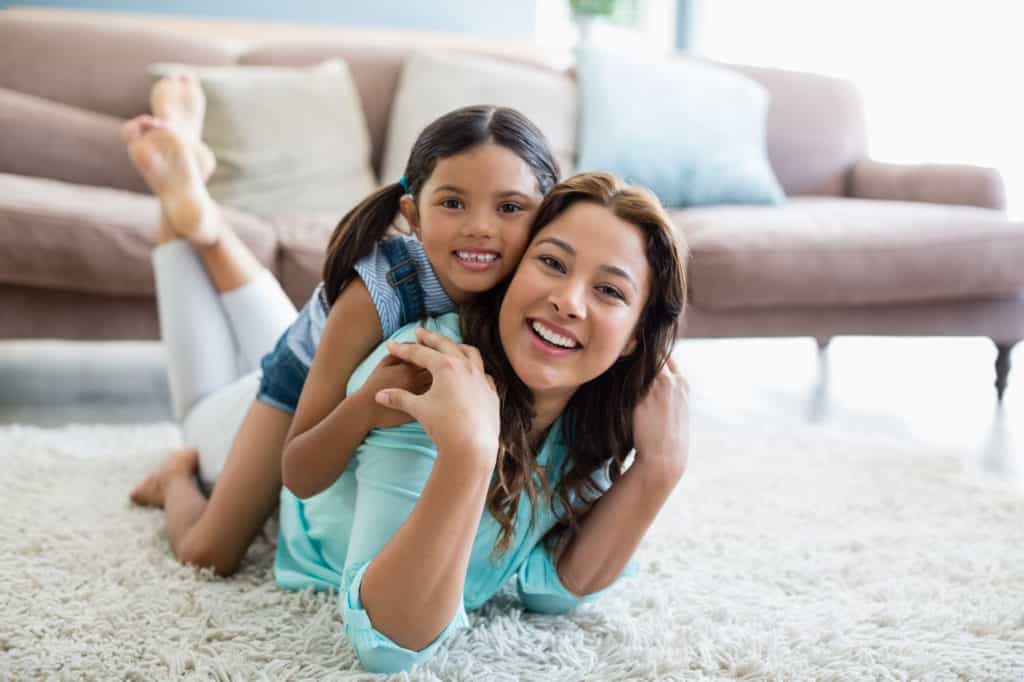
[{"x": 362, "y": 408}]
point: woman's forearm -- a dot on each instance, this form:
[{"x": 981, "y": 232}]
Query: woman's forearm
[
  {"x": 314, "y": 459},
  {"x": 613, "y": 528},
  {"x": 414, "y": 585}
]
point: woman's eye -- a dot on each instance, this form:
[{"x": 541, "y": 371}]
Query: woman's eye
[
  {"x": 552, "y": 263},
  {"x": 451, "y": 203},
  {"x": 611, "y": 291},
  {"x": 509, "y": 207}
]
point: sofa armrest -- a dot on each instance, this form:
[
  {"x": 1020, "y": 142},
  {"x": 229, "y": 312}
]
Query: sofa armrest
[{"x": 931, "y": 183}]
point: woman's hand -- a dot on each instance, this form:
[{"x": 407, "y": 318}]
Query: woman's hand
[
  {"x": 391, "y": 373},
  {"x": 460, "y": 412},
  {"x": 661, "y": 426}
]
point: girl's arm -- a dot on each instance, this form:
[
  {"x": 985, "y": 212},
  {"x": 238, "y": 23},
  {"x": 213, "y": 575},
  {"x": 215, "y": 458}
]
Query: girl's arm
[
  {"x": 613, "y": 528},
  {"x": 327, "y": 426}
]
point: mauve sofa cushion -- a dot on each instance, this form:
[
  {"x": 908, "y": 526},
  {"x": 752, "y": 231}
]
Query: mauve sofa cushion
[
  {"x": 816, "y": 129},
  {"x": 52, "y": 140},
  {"x": 93, "y": 239},
  {"x": 302, "y": 239},
  {"x": 848, "y": 252},
  {"x": 95, "y": 66}
]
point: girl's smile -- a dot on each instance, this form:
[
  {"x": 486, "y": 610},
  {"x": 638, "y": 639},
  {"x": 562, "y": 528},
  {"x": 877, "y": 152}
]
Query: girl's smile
[{"x": 473, "y": 217}]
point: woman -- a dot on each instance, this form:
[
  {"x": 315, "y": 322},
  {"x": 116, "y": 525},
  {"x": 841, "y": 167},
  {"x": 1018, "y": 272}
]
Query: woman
[{"x": 515, "y": 463}]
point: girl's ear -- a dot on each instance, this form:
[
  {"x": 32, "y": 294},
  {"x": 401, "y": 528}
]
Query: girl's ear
[{"x": 407, "y": 207}]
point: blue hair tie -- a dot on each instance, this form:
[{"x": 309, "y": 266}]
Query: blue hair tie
[{"x": 404, "y": 183}]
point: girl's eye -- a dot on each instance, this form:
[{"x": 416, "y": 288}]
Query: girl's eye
[
  {"x": 452, "y": 203},
  {"x": 611, "y": 291},
  {"x": 552, "y": 263},
  {"x": 509, "y": 207}
]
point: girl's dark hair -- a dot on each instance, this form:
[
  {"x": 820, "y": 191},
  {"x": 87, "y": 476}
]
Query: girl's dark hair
[
  {"x": 453, "y": 133},
  {"x": 597, "y": 423}
]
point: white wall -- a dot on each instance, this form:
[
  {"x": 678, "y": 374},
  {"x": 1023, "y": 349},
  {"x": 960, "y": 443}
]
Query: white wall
[{"x": 512, "y": 19}]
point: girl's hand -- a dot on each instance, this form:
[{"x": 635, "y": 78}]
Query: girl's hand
[
  {"x": 460, "y": 412},
  {"x": 661, "y": 425},
  {"x": 391, "y": 373}
]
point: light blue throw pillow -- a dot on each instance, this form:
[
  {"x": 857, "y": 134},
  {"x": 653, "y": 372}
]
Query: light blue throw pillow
[{"x": 692, "y": 133}]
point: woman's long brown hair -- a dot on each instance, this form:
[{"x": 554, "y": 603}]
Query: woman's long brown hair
[{"x": 597, "y": 423}]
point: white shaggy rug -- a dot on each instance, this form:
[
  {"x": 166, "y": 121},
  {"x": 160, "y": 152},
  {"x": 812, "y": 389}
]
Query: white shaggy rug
[{"x": 793, "y": 554}]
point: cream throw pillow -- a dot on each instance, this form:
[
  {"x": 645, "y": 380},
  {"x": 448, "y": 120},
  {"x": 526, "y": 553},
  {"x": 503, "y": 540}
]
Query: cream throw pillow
[
  {"x": 432, "y": 84},
  {"x": 286, "y": 139}
]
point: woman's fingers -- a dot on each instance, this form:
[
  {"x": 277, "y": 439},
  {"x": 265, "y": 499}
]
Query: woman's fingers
[
  {"x": 473, "y": 355},
  {"x": 438, "y": 342},
  {"x": 416, "y": 354},
  {"x": 431, "y": 348}
]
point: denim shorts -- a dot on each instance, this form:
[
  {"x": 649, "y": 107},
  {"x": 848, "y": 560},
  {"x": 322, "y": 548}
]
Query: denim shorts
[{"x": 283, "y": 377}]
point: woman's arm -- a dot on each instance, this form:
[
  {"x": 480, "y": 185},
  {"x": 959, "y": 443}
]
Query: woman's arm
[
  {"x": 328, "y": 426},
  {"x": 610, "y": 533},
  {"x": 413, "y": 587},
  {"x": 614, "y": 526}
]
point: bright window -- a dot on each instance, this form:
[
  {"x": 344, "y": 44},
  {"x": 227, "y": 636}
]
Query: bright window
[{"x": 943, "y": 81}]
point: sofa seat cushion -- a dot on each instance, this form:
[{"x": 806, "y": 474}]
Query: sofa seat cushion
[
  {"x": 303, "y": 239},
  {"x": 835, "y": 251},
  {"x": 59, "y": 235}
]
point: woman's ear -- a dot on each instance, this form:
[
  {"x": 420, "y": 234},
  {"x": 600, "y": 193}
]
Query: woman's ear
[
  {"x": 630, "y": 347},
  {"x": 407, "y": 207}
]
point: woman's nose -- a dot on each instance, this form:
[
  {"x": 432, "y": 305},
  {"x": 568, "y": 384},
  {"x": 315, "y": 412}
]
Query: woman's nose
[{"x": 568, "y": 299}]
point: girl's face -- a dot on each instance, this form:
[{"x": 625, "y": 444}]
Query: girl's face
[
  {"x": 572, "y": 307},
  {"x": 473, "y": 217}
]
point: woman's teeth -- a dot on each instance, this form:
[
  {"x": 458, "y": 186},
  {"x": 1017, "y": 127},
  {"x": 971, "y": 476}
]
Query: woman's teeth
[
  {"x": 477, "y": 257},
  {"x": 551, "y": 337}
]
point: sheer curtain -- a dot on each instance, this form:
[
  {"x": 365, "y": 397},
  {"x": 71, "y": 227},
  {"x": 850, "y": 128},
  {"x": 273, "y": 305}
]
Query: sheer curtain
[{"x": 943, "y": 81}]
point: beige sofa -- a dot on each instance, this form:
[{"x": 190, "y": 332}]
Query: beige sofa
[{"x": 859, "y": 247}]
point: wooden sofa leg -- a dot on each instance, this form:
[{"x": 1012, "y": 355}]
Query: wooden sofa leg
[{"x": 1002, "y": 366}]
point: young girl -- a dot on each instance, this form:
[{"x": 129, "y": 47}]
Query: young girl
[{"x": 474, "y": 180}]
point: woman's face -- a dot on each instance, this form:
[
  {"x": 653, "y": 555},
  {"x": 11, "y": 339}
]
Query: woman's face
[{"x": 572, "y": 306}]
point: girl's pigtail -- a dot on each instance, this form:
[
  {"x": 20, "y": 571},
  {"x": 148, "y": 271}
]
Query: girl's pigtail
[{"x": 355, "y": 236}]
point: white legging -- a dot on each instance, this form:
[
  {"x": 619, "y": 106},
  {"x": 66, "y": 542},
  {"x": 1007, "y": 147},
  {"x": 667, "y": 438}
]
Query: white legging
[{"x": 214, "y": 343}]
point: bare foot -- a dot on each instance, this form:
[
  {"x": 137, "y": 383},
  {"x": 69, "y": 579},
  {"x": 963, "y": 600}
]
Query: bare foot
[
  {"x": 150, "y": 493},
  {"x": 163, "y": 158},
  {"x": 178, "y": 99}
]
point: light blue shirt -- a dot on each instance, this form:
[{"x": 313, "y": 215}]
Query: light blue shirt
[{"x": 327, "y": 541}]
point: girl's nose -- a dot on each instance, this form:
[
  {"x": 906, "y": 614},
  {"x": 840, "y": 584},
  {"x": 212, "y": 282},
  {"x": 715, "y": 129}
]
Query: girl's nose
[{"x": 478, "y": 224}]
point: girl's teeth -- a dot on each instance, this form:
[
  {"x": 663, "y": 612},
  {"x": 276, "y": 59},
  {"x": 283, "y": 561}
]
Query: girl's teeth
[
  {"x": 552, "y": 337},
  {"x": 480, "y": 257}
]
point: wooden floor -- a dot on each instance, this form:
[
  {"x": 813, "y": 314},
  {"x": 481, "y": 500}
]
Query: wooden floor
[{"x": 923, "y": 390}]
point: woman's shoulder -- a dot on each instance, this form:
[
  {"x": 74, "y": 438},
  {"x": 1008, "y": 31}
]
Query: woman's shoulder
[{"x": 446, "y": 325}]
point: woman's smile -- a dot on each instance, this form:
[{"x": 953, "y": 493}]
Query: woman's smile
[
  {"x": 572, "y": 307},
  {"x": 553, "y": 340}
]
